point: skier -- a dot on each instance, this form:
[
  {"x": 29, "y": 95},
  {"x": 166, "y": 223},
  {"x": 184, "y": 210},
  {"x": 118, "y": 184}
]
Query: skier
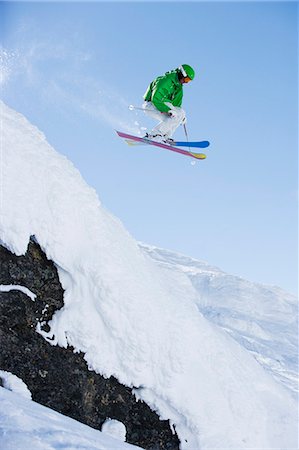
[{"x": 163, "y": 100}]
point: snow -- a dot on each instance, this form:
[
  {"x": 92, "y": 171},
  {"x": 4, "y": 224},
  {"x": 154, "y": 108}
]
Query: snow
[
  {"x": 14, "y": 384},
  {"x": 17, "y": 287},
  {"x": 6, "y": 63},
  {"x": 26, "y": 425},
  {"x": 149, "y": 321},
  {"x": 114, "y": 428},
  {"x": 263, "y": 319}
]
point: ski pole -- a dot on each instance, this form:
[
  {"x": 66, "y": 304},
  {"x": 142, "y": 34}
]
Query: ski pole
[
  {"x": 132, "y": 107},
  {"x": 186, "y": 134}
]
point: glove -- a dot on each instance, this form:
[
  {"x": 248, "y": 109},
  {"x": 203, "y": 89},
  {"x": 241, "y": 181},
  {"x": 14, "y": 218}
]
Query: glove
[{"x": 172, "y": 113}]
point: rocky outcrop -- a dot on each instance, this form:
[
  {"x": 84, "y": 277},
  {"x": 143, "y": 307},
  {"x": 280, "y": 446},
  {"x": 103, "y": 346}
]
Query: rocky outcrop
[{"x": 57, "y": 377}]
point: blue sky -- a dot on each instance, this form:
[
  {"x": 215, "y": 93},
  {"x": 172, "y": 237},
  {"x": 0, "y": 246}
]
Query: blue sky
[{"x": 73, "y": 68}]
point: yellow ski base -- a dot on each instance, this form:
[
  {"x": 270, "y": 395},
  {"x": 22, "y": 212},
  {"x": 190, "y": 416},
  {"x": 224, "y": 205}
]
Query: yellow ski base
[{"x": 198, "y": 155}]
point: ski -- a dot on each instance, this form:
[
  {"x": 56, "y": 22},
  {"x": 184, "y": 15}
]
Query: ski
[
  {"x": 198, "y": 144},
  {"x": 129, "y": 137}
]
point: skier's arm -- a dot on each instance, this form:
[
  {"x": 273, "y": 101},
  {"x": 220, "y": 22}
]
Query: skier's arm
[
  {"x": 178, "y": 99},
  {"x": 162, "y": 94}
]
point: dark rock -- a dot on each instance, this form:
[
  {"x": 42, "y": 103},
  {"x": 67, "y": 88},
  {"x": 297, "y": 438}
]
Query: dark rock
[{"x": 57, "y": 377}]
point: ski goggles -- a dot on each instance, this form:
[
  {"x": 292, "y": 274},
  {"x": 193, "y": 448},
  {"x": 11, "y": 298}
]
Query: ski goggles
[{"x": 184, "y": 73}]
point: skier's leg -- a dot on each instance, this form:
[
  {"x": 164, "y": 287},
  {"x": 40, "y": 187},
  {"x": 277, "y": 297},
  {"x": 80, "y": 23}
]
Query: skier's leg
[
  {"x": 151, "y": 111},
  {"x": 168, "y": 126}
]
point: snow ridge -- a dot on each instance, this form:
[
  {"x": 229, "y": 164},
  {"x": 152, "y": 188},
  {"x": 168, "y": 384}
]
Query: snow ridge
[
  {"x": 263, "y": 319},
  {"x": 131, "y": 318}
]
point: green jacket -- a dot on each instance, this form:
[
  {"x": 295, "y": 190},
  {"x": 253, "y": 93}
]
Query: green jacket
[{"x": 166, "y": 88}]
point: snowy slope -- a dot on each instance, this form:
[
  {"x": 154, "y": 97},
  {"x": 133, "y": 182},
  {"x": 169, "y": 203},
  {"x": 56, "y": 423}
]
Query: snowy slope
[
  {"x": 150, "y": 331},
  {"x": 26, "y": 425},
  {"x": 263, "y": 319}
]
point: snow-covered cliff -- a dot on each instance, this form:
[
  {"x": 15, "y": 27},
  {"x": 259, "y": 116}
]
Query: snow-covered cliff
[{"x": 152, "y": 334}]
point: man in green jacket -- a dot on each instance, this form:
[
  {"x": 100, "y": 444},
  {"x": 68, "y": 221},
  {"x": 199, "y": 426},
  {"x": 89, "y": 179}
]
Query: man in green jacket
[{"x": 163, "y": 100}]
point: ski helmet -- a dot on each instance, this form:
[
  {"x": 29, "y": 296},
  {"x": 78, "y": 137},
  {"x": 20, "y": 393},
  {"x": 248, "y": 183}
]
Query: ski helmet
[{"x": 187, "y": 71}]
